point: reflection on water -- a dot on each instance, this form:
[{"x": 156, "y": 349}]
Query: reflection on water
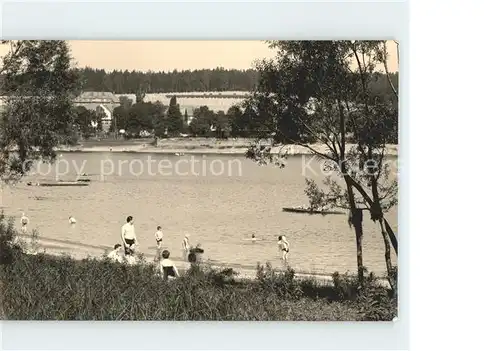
[{"x": 220, "y": 212}]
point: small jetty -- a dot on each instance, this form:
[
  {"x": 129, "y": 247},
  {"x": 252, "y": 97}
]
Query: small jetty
[{"x": 311, "y": 211}]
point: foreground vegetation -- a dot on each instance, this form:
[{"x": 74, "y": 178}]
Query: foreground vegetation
[{"x": 44, "y": 287}]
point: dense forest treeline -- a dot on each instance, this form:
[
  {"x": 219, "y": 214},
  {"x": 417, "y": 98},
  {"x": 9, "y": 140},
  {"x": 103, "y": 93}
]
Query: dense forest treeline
[
  {"x": 130, "y": 82},
  {"x": 219, "y": 79}
]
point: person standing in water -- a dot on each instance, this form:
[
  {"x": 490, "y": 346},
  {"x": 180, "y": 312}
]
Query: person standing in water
[
  {"x": 72, "y": 220},
  {"x": 24, "y": 223},
  {"x": 128, "y": 236},
  {"x": 158, "y": 237},
  {"x": 186, "y": 246},
  {"x": 284, "y": 247}
]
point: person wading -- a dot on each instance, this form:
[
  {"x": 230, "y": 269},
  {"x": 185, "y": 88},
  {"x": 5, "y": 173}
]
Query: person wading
[{"x": 128, "y": 237}]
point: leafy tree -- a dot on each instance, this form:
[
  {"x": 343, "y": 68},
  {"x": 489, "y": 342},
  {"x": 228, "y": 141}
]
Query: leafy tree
[
  {"x": 84, "y": 121},
  {"x": 125, "y": 102},
  {"x": 159, "y": 119},
  {"x": 174, "y": 120},
  {"x": 139, "y": 96},
  {"x": 314, "y": 91},
  {"x": 221, "y": 124},
  {"x": 141, "y": 117},
  {"x": 121, "y": 114},
  {"x": 236, "y": 121},
  {"x": 203, "y": 119},
  {"x": 120, "y": 117},
  {"x": 38, "y": 88}
]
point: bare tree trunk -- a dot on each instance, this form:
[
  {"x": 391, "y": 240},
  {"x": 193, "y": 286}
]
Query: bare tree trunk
[
  {"x": 397, "y": 50},
  {"x": 368, "y": 199},
  {"x": 356, "y": 214},
  {"x": 387, "y": 69},
  {"x": 377, "y": 215},
  {"x": 356, "y": 219},
  {"x": 387, "y": 245}
]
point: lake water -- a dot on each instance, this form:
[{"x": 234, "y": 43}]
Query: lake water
[{"x": 220, "y": 208}]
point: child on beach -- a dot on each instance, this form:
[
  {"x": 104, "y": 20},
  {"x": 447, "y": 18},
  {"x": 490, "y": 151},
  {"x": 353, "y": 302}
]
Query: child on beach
[
  {"x": 24, "y": 223},
  {"x": 186, "y": 246},
  {"x": 114, "y": 255},
  {"x": 167, "y": 267},
  {"x": 158, "y": 237},
  {"x": 284, "y": 247}
]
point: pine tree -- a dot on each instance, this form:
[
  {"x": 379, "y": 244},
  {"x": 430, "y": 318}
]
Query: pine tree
[{"x": 174, "y": 118}]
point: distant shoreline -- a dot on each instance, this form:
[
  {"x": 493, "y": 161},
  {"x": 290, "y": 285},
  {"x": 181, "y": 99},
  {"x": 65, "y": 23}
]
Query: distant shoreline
[{"x": 196, "y": 146}]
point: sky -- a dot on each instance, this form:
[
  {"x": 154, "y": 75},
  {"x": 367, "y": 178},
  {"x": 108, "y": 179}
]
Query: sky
[{"x": 180, "y": 55}]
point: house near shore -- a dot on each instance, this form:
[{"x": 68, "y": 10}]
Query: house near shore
[
  {"x": 102, "y": 102},
  {"x": 105, "y": 102}
]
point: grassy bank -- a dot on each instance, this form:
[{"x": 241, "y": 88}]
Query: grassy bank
[{"x": 44, "y": 287}]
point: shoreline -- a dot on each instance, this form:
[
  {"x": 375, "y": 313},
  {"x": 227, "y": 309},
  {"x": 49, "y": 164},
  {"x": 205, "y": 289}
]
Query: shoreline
[
  {"x": 182, "y": 149},
  {"x": 78, "y": 251}
]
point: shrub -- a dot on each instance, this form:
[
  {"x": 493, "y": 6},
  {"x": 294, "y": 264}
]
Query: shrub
[{"x": 282, "y": 284}]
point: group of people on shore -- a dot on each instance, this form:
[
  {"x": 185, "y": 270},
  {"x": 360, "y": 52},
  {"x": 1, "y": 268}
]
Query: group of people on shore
[
  {"x": 167, "y": 267},
  {"x": 130, "y": 243}
]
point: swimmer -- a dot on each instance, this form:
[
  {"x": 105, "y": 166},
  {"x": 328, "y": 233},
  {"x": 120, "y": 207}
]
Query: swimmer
[
  {"x": 72, "y": 220},
  {"x": 24, "y": 223},
  {"x": 252, "y": 239},
  {"x": 128, "y": 236},
  {"x": 167, "y": 267},
  {"x": 186, "y": 246},
  {"x": 158, "y": 237},
  {"x": 284, "y": 247}
]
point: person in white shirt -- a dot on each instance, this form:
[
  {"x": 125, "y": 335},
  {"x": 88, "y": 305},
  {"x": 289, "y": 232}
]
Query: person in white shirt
[
  {"x": 186, "y": 246},
  {"x": 167, "y": 267},
  {"x": 158, "y": 237},
  {"x": 129, "y": 238},
  {"x": 72, "y": 220},
  {"x": 24, "y": 223},
  {"x": 115, "y": 255},
  {"x": 284, "y": 247}
]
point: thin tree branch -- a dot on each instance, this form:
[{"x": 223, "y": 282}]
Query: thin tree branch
[{"x": 384, "y": 59}]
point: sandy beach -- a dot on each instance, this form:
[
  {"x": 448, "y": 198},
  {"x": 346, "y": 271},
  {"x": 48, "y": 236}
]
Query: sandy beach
[{"x": 81, "y": 251}]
